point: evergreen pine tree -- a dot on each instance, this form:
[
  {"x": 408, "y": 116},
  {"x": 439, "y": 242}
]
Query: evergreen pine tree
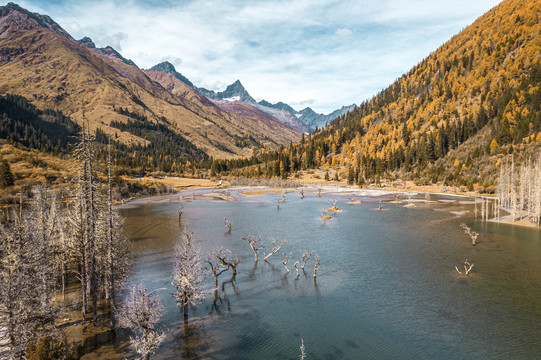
[{"x": 6, "y": 176}]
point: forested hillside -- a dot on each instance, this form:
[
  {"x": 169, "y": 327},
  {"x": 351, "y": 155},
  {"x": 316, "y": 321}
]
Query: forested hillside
[{"x": 450, "y": 119}]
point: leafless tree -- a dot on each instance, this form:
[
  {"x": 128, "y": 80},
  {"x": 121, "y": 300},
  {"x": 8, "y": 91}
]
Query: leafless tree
[
  {"x": 44, "y": 214},
  {"x": 252, "y": 241},
  {"x": 305, "y": 257},
  {"x": 303, "y": 353},
  {"x": 86, "y": 219},
  {"x": 316, "y": 266},
  {"x": 472, "y": 234},
  {"x": 189, "y": 275},
  {"x": 141, "y": 314},
  {"x": 467, "y": 268},
  {"x": 324, "y": 216},
  {"x": 275, "y": 248},
  {"x": 25, "y": 309},
  {"x": 519, "y": 191},
  {"x": 216, "y": 266},
  {"x": 333, "y": 203},
  {"x": 118, "y": 249},
  {"x": 180, "y": 211},
  {"x": 228, "y": 259},
  {"x": 278, "y": 203},
  {"x": 296, "y": 268},
  {"x": 284, "y": 262},
  {"x": 227, "y": 224},
  {"x": 302, "y": 193}
]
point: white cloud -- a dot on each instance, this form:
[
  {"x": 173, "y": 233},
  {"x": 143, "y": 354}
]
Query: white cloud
[
  {"x": 336, "y": 52},
  {"x": 343, "y": 32}
]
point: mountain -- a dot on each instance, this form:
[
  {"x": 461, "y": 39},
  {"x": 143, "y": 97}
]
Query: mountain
[
  {"x": 457, "y": 115},
  {"x": 315, "y": 120},
  {"x": 42, "y": 62},
  {"x": 168, "y": 68},
  {"x": 305, "y": 120},
  {"x": 106, "y": 51},
  {"x": 454, "y": 119},
  {"x": 233, "y": 92}
]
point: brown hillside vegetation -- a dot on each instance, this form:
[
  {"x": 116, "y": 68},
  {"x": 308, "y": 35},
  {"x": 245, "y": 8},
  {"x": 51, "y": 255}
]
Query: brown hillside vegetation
[
  {"x": 449, "y": 120},
  {"x": 41, "y": 62}
]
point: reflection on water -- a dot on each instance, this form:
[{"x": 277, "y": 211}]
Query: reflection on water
[{"x": 387, "y": 287}]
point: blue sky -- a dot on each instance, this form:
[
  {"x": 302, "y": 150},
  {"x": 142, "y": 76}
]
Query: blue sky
[{"x": 317, "y": 53}]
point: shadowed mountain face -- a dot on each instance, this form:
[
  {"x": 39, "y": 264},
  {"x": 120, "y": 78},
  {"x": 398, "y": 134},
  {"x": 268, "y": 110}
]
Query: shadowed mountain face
[
  {"x": 168, "y": 68},
  {"x": 42, "y": 62}
]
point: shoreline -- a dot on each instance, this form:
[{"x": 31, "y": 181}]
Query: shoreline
[{"x": 205, "y": 189}]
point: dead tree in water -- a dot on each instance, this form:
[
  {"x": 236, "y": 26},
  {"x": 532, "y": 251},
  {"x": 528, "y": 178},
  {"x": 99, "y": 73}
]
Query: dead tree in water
[
  {"x": 227, "y": 224},
  {"x": 180, "y": 211},
  {"x": 286, "y": 256},
  {"x": 278, "y": 204},
  {"x": 316, "y": 266},
  {"x": 296, "y": 268},
  {"x": 253, "y": 244},
  {"x": 275, "y": 248},
  {"x": 467, "y": 268},
  {"x": 216, "y": 266},
  {"x": 189, "y": 275},
  {"x": 226, "y": 258},
  {"x": 305, "y": 257},
  {"x": 324, "y": 216},
  {"x": 333, "y": 203},
  {"x": 472, "y": 234},
  {"x": 302, "y": 193},
  {"x": 303, "y": 353},
  {"x": 141, "y": 314}
]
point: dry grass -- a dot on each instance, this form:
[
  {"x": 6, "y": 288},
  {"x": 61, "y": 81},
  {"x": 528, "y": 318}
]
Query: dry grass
[{"x": 181, "y": 183}]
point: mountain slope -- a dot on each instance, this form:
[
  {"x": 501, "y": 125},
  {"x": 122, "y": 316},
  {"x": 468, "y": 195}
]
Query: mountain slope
[
  {"x": 42, "y": 62},
  {"x": 259, "y": 128},
  {"x": 452, "y": 120},
  {"x": 453, "y": 117},
  {"x": 168, "y": 68},
  {"x": 306, "y": 120}
]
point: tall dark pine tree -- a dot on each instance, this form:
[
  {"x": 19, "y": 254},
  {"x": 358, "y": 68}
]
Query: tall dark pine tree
[{"x": 6, "y": 176}]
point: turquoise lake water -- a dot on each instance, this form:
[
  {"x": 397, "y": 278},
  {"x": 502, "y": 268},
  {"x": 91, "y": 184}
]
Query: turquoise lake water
[{"x": 386, "y": 289}]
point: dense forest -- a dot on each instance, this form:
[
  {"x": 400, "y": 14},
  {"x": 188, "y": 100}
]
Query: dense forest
[
  {"x": 50, "y": 131},
  {"x": 23, "y": 124},
  {"x": 479, "y": 94}
]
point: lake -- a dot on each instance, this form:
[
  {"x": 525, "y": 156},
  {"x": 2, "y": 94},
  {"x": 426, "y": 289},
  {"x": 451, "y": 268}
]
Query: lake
[{"x": 386, "y": 288}]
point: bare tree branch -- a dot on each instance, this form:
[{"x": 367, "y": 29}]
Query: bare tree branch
[
  {"x": 305, "y": 257},
  {"x": 275, "y": 248},
  {"x": 286, "y": 256},
  {"x": 227, "y": 224},
  {"x": 467, "y": 268},
  {"x": 216, "y": 266},
  {"x": 252, "y": 241},
  {"x": 316, "y": 266},
  {"x": 472, "y": 234},
  {"x": 141, "y": 314}
]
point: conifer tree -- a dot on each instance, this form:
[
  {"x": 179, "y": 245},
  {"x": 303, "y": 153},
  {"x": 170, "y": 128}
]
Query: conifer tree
[{"x": 6, "y": 176}]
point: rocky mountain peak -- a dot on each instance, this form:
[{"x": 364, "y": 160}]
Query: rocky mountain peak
[
  {"x": 19, "y": 15},
  {"x": 168, "y": 68},
  {"x": 86, "y": 41},
  {"x": 236, "y": 90}
]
